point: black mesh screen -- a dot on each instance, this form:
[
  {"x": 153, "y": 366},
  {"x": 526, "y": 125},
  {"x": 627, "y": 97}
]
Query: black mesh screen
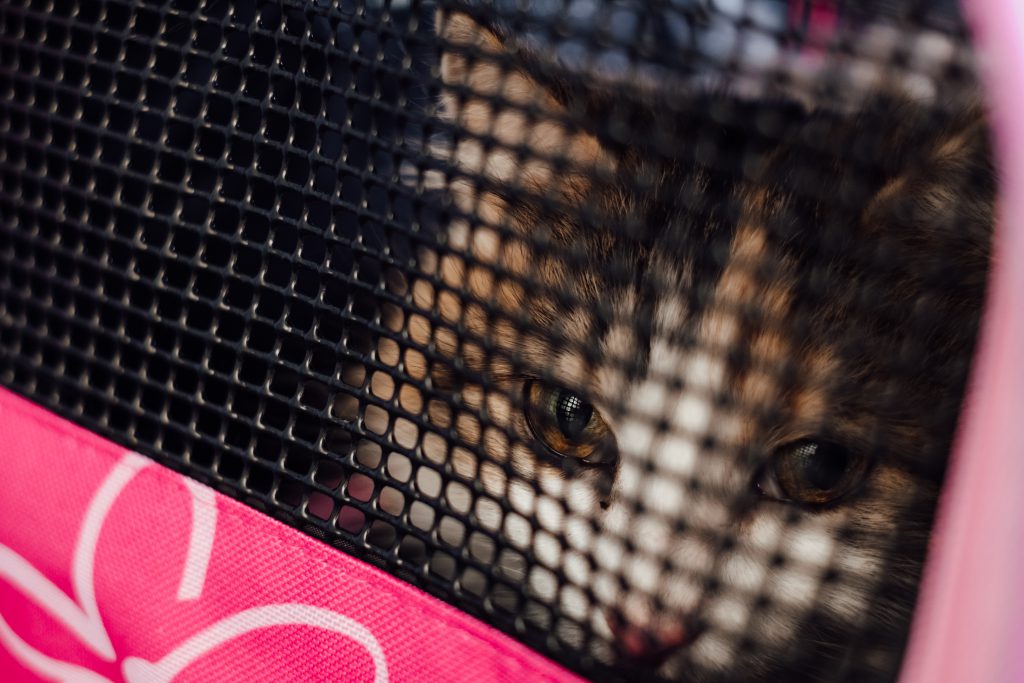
[{"x": 636, "y": 329}]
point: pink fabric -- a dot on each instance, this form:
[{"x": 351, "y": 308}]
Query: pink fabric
[
  {"x": 970, "y": 624},
  {"x": 822, "y": 22},
  {"x": 114, "y": 568}
]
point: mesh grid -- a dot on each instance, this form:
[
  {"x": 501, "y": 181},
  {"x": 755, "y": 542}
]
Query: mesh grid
[{"x": 638, "y": 330}]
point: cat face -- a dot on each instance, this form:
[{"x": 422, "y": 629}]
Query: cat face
[{"x": 711, "y": 388}]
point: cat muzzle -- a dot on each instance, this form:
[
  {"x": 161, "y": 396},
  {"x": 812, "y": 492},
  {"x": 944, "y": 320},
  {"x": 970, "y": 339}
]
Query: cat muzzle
[{"x": 649, "y": 644}]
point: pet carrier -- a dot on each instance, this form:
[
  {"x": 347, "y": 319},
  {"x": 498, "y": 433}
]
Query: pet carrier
[{"x": 532, "y": 340}]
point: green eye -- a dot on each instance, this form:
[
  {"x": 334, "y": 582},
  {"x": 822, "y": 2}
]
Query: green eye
[
  {"x": 812, "y": 472},
  {"x": 566, "y": 423}
]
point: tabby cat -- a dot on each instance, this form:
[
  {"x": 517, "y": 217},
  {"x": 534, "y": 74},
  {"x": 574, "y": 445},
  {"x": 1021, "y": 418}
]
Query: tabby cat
[{"x": 700, "y": 359}]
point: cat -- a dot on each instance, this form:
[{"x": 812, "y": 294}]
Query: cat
[{"x": 699, "y": 359}]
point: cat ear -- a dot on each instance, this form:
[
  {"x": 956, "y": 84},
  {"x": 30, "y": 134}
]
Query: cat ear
[
  {"x": 943, "y": 201},
  {"x": 933, "y": 225},
  {"x": 510, "y": 130}
]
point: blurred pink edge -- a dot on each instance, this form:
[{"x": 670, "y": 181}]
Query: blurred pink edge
[{"x": 969, "y": 626}]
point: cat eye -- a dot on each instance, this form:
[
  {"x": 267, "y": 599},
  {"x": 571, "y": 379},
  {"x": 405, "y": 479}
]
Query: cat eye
[
  {"x": 567, "y": 424},
  {"x": 812, "y": 472}
]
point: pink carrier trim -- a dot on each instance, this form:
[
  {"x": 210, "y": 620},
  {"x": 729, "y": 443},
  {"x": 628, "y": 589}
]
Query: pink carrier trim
[
  {"x": 822, "y": 20},
  {"x": 970, "y": 624},
  {"x": 115, "y": 568}
]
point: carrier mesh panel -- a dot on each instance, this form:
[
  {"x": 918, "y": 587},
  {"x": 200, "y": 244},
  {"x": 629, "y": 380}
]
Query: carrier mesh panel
[{"x": 636, "y": 329}]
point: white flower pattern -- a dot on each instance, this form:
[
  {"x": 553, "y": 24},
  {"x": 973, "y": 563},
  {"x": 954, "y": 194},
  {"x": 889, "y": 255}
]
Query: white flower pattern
[{"x": 81, "y": 614}]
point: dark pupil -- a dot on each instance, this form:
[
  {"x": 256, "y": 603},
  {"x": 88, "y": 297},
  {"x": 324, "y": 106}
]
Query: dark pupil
[
  {"x": 572, "y": 414},
  {"x": 823, "y": 465}
]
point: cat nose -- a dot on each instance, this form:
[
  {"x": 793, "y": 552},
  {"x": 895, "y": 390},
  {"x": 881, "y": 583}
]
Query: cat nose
[{"x": 648, "y": 644}]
